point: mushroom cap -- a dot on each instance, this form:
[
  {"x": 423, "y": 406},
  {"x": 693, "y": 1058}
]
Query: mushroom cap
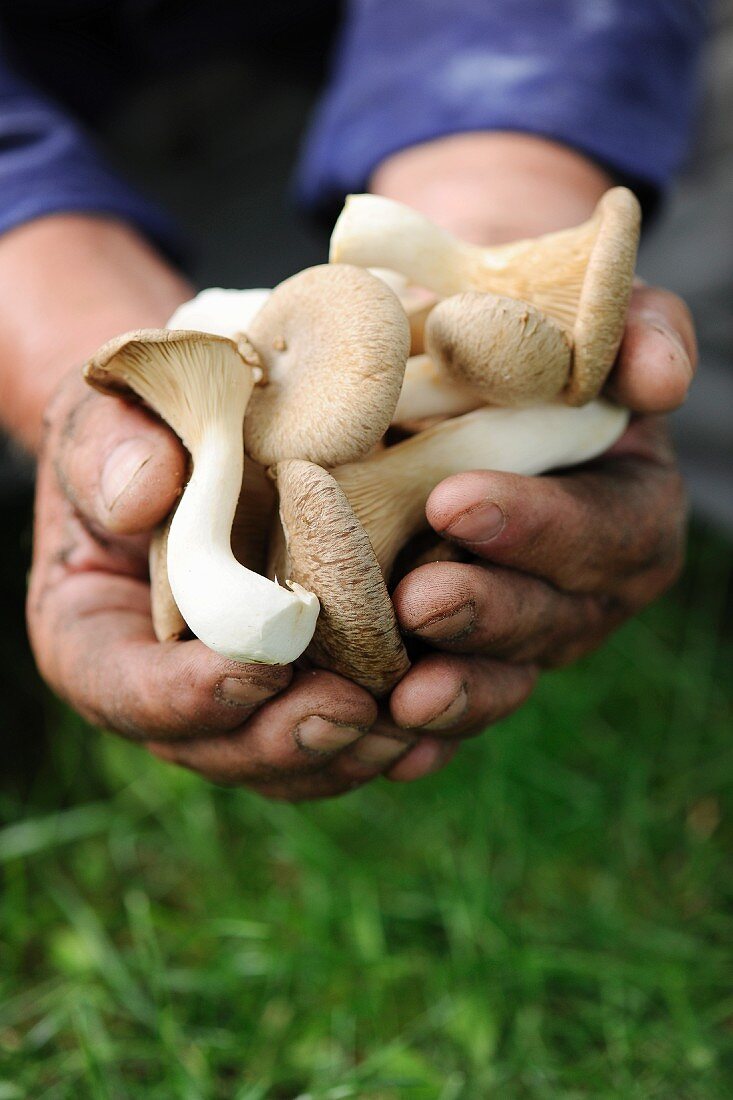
[
  {"x": 580, "y": 277},
  {"x": 200, "y": 384},
  {"x": 604, "y": 297},
  {"x": 330, "y": 554},
  {"x": 186, "y": 377},
  {"x": 505, "y": 350},
  {"x": 333, "y": 342},
  {"x": 222, "y": 312}
]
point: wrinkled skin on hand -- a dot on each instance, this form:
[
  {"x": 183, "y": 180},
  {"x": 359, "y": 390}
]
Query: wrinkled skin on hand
[
  {"x": 108, "y": 473},
  {"x": 556, "y": 564}
]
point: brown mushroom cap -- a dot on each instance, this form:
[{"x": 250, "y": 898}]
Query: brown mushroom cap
[
  {"x": 329, "y": 553},
  {"x": 580, "y": 277},
  {"x": 505, "y": 350},
  {"x": 333, "y": 342},
  {"x": 604, "y": 297}
]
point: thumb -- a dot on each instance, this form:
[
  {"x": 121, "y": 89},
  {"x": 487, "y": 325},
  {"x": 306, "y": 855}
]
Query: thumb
[{"x": 121, "y": 467}]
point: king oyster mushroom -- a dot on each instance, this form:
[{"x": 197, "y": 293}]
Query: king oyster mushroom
[
  {"x": 389, "y": 490},
  {"x": 222, "y": 313},
  {"x": 200, "y": 385},
  {"x": 579, "y": 277},
  {"x": 357, "y": 633},
  {"x": 503, "y": 350},
  {"x": 319, "y": 318},
  {"x": 333, "y": 343},
  {"x": 343, "y": 529},
  {"x": 482, "y": 350}
]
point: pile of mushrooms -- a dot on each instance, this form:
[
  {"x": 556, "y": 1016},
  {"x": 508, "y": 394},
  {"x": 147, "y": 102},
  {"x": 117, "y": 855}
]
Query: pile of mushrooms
[{"x": 289, "y": 402}]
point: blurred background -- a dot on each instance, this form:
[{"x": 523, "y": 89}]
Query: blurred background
[{"x": 550, "y": 917}]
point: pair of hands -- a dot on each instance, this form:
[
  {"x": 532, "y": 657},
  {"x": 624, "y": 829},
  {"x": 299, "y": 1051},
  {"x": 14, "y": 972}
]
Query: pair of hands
[{"x": 557, "y": 562}]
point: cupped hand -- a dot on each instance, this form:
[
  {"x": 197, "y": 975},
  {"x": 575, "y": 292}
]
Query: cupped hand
[
  {"x": 108, "y": 474},
  {"x": 556, "y": 562}
]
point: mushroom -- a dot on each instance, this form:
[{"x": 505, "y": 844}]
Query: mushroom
[
  {"x": 327, "y": 551},
  {"x": 388, "y": 492},
  {"x": 250, "y": 527},
  {"x": 200, "y": 385},
  {"x": 501, "y": 349},
  {"x": 580, "y": 277},
  {"x": 222, "y": 312},
  {"x": 169, "y": 624},
  {"x": 333, "y": 343},
  {"x": 341, "y": 531}
]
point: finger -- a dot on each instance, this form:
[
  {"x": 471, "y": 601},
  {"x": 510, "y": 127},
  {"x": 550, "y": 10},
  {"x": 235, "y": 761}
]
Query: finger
[
  {"x": 498, "y": 612},
  {"x": 658, "y": 354},
  {"x": 393, "y": 752},
  {"x": 449, "y": 696},
  {"x": 121, "y": 466},
  {"x": 95, "y": 645},
  {"x": 590, "y": 530},
  {"x": 298, "y": 733}
]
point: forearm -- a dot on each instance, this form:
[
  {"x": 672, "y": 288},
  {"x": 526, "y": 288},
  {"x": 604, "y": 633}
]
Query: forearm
[
  {"x": 494, "y": 187},
  {"x": 67, "y": 283}
]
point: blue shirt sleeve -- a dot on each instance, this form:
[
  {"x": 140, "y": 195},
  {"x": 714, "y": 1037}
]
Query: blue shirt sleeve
[
  {"x": 49, "y": 165},
  {"x": 614, "y": 79}
]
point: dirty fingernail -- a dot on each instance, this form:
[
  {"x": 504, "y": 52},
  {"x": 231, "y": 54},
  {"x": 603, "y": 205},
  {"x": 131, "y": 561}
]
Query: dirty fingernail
[
  {"x": 451, "y": 715},
  {"x": 319, "y": 735},
  {"x": 121, "y": 469},
  {"x": 447, "y": 627},
  {"x": 376, "y": 749},
  {"x": 479, "y": 524},
  {"x": 236, "y": 692}
]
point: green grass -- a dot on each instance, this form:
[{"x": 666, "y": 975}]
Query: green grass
[{"x": 552, "y": 917}]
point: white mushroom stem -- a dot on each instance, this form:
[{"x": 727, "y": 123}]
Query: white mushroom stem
[
  {"x": 237, "y": 612},
  {"x": 429, "y": 390},
  {"x": 389, "y": 491},
  {"x": 223, "y": 313},
  {"x": 200, "y": 385}
]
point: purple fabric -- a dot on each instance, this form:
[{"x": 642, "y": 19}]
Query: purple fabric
[
  {"x": 612, "y": 78},
  {"x": 615, "y": 79},
  {"x": 49, "y": 165}
]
